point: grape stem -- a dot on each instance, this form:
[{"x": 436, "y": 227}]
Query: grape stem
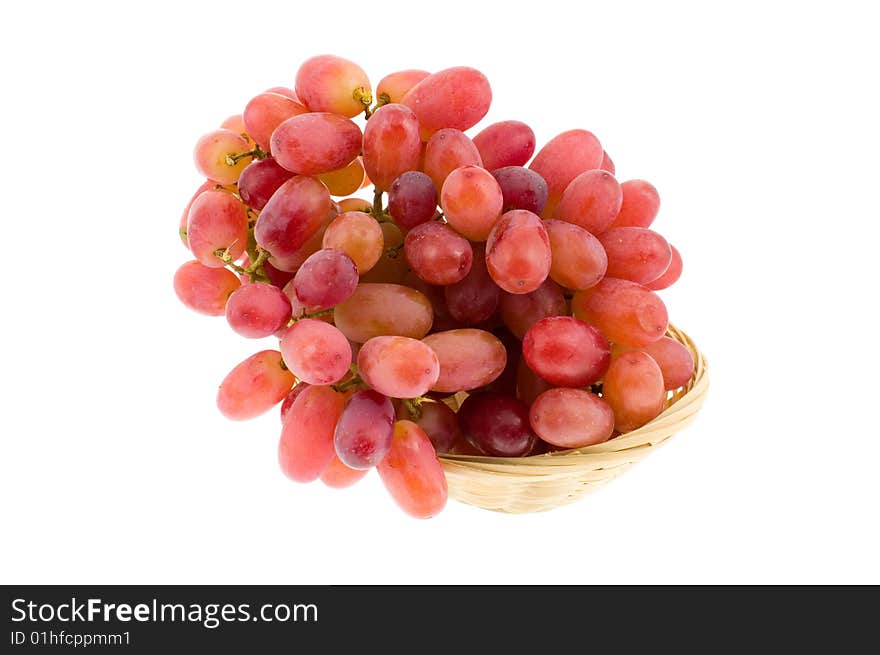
[
  {"x": 257, "y": 152},
  {"x": 354, "y": 381},
  {"x": 383, "y": 99},
  {"x": 365, "y": 98},
  {"x": 253, "y": 271},
  {"x": 377, "y": 212},
  {"x": 304, "y": 314},
  {"x": 413, "y": 406}
]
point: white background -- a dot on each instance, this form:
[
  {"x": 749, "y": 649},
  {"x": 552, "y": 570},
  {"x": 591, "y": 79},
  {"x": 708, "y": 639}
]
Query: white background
[{"x": 758, "y": 123}]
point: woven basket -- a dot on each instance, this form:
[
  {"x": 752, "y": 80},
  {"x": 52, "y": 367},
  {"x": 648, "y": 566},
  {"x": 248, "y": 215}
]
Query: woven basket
[{"x": 535, "y": 484}]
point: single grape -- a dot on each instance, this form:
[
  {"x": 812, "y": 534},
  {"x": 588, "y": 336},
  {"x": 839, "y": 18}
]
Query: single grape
[
  {"x": 204, "y": 289},
  {"x": 675, "y": 361},
  {"x": 295, "y": 260},
  {"x": 316, "y": 352},
  {"x": 508, "y": 143},
  {"x": 440, "y": 423},
  {"x": 579, "y": 260},
  {"x": 257, "y": 310},
  {"x": 287, "y": 403},
  {"x": 412, "y": 199},
  {"x": 447, "y": 150},
  {"x": 327, "y": 83},
  {"x": 437, "y": 254},
  {"x": 563, "y": 158},
  {"x": 520, "y": 311},
  {"x": 571, "y": 418},
  {"x": 376, "y": 309},
  {"x": 259, "y": 180},
  {"x": 566, "y": 352},
  {"x": 607, "y": 164},
  {"x": 529, "y": 385},
  {"x": 293, "y": 214},
  {"x": 306, "y": 447},
  {"x": 469, "y": 358},
  {"x": 472, "y": 201},
  {"x": 625, "y": 312},
  {"x": 365, "y": 430},
  {"x": 412, "y": 474},
  {"x": 354, "y": 205},
  {"x": 339, "y": 476},
  {"x": 255, "y": 386},
  {"x": 217, "y": 221},
  {"x": 591, "y": 201},
  {"x": 456, "y": 97},
  {"x": 672, "y": 273},
  {"x": 636, "y": 253},
  {"x": 391, "y": 267},
  {"x": 521, "y": 188},
  {"x": 640, "y": 204},
  {"x": 216, "y": 155},
  {"x": 396, "y": 85},
  {"x": 359, "y": 236},
  {"x": 475, "y": 298},
  {"x": 399, "y": 367},
  {"x": 518, "y": 252},
  {"x": 391, "y": 144},
  {"x": 346, "y": 180},
  {"x": 310, "y": 144},
  {"x": 325, "y": 279},
  {"x": 633, "y": 387},
  {"x": 267, "y": 111},
  {"x": 497, "y": 424}
]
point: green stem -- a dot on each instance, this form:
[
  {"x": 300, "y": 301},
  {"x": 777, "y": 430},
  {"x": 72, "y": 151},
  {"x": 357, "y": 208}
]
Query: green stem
[
  {"x": 257, "y": 151},
  {"x": 304, "y": 314},
  {"x": 413, "y": 406},
  {"x": 257, "y": 264},
  {"x": 354, "y": 381}
]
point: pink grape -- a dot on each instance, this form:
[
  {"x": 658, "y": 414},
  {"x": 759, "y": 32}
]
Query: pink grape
[
  {"x": 316, "y": 352},
  {"x": 518, "y": 252},
  {"x": 339, "y": 476},
  {"x": 591, "y": 201},
  {"x": 325, "y": 279},
  {"x": 255, "y": 386},
  {"x": 472, "y": 201},
  {"x": 579, "y": 260},
  {"x": 563, "y": 158},
  {"x": 314, "y": 143},
  {"x": 469, "y": 358},
  {"x": 212, "y": 155},
  {"x": 207, "y": 184},
  {"x": 260, "y": 180},
  {"x": 217, "y": 221},
  {"x": 456, "y": 97},
  {"x": 412, "y": 474},
  {"x": 497, "y": 424},
  {"x": 521, "y": 188},
  {"x": 359, "y": 236},
  {"x": 292, "y": 263},
  {"x": 566, "y": 352},
  {"x": 437, "y": 254},
  {"x": 571, "y": 418},
  {"x": 671, "y": 275},
  {"x": 365, "y": 430},
  {"x": 265, "y": 112},
  {"x": 412, "y": 199},
  {"x": 306, "y": 446},
  {"x": 529, "y": 385},
  {"x": 475, "y": 298},
  {"x": 675, "y": 361},
  {"x": 633, "y": 387},
  {"x": 625, "y": 312},
  {"x": 440, "y": 423},
  {"x": 377, "y": 309},
  {"x": 640, "y": 204},
  {"x": 398, "y": 367},
  {"x": 204, "y": 289},
  {"x": 327, "y": 83},
  {"x": 636, "y": 254},
  {"x": 293, "y": 214},
  {"x": 447, "y": 150},
  {"x": 391, "y": 144},
  {"x": 257, "y": 310},
  {"x": 508, "y": 143},
  {"x": 287, "y": 403},
  {"x": 520, "y": 311},
  {"x": 396, "y": 85}
]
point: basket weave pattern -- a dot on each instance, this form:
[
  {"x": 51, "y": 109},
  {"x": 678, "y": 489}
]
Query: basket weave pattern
[{"x": 534, "y": 484}]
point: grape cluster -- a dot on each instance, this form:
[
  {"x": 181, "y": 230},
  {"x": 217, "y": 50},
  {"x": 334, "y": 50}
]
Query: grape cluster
[{"x": 531, "y": 288}]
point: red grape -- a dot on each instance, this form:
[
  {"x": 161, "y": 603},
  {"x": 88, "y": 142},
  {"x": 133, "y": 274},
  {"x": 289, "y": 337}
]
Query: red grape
[
  {"x": 640, "y": 205},
  {"x": 562, "y": 159},
  {"x": 508, "y": 143},
  {"x": 571, "y": 418},
  {"x": 316, "y": 351},
  {"x": 675, "y": 361},
  {"x": 473, "y": 299},
  {"x": 327, "y": 83},
  {"x": 315, "y": 143},
  {"x": 520, "y": 311},
  {"x": 518, "y": 252},
  {"x": 566, "y": 352},
  {"x": 440, "y": 423},
  {"x": 260, "y": 180},
  {"x": 392, "y": 266},
  {"x": 217, "y": 221},
  {"x": 395, "y": 85},
  {"x": 437, "y": 254},
  {"x": 497, "y": 424},
  {"x": 469, "y": 358},
  {"x": 287, "y": 403},
  {"x": 339, "y": 476},
  {"x": 345, "y": 180},
  {"x": 673, "y": 272},
  {"x": 257, "y": 310},
  {"x": 447, "y": 150},
  {"x": 579, "y": 261},
  {"x": 359, "y": 236},
  {"x": 412, "y": 199},
  {"x": 391, "y": 144},
  {"x": 255, "y": 386},
  {"x": 376, "y": 309},
  {"x": 607, "y": 164},
  {"x": 365, "y": 429},
  {"x": 215, "y": 155},
  {"x": 472, "y": 201},
  {"x": 633, "y": 387},
  {"x": 267, "y": 111},
  {"x": 591, "y": 200},
  {"x": 306, "y": 447},
  {"x": 521, "y": 188},
  {"x": 636, "y": 254},
  {"x": 399, "y": 367},
  {"x": 412, "y": 473},
  {"x": 625, "y": 312},
  {"x": 325, "y": 279},
  {"x": 204, "y": 289},
  {"x": 456, "y": 97}
]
